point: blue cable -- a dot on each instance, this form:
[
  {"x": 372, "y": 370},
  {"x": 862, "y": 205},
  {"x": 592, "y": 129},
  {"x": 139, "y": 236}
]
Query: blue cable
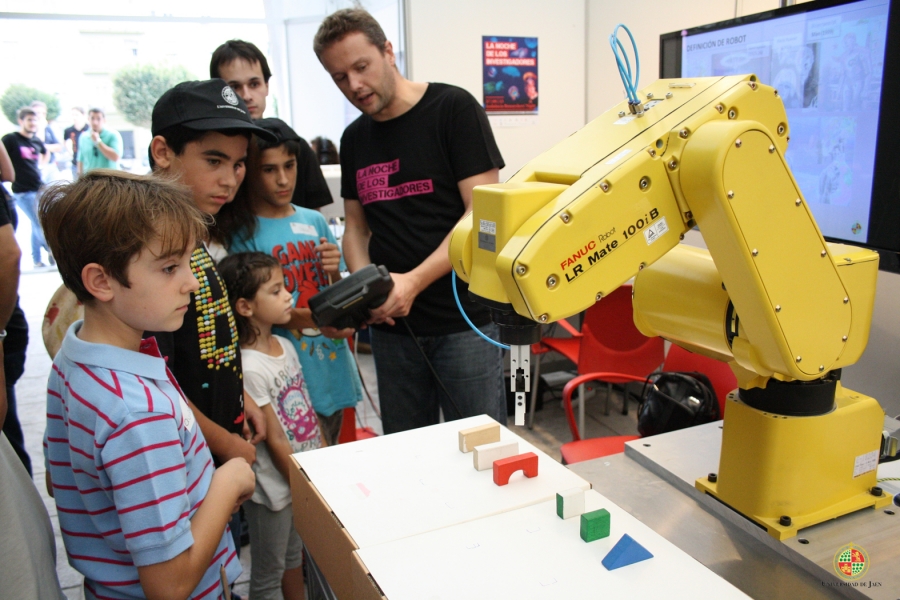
[
  {"x": 624, "y": 65},
  {"x": 466, "y": 317}
]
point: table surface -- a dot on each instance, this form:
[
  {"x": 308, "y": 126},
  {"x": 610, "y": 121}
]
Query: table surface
[
  {"x": 393, "y": 486},
  {"x": 531, "y": 553}
]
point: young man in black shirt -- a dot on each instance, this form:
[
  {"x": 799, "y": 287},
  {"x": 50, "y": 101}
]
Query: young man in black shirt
[
  {"x": 246, "y": 70},
  {"x": 408, "y": 166},
  {"x": 28, "y": 154}
]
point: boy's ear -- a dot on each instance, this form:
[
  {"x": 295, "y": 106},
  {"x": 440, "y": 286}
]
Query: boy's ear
[
  {"x": 243, "y": 308},
  {"x": 161, "y": 153},
  {"x": 97, "y": 282}
]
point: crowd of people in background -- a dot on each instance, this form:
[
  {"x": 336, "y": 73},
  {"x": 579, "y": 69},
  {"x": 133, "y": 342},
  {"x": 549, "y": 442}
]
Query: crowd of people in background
[{"x": 197, "y": 368}]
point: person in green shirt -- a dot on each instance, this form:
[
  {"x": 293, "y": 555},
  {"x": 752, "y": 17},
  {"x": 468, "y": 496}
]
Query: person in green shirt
[{"x": 98, "y": 148}]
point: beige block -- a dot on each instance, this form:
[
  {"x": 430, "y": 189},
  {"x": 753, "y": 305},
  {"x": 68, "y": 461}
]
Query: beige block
[{"x": 476, "y": 436}]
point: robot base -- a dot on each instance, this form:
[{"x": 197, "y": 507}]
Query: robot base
[{"x": 787, "y": 473}]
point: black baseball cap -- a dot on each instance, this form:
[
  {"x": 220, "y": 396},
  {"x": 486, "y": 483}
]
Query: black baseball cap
[
  {"x": 278, "y": 128},
  {"x": 209, "y": 105}
]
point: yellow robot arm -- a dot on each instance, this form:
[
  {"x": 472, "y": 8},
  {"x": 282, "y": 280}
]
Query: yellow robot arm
[{"x": 586, "y": 216}]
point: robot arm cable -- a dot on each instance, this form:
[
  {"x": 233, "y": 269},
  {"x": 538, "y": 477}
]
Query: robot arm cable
[{"x": 624, "y": 65}]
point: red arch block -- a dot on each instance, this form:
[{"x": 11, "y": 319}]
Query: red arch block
[{"x": 505, "y": 467}]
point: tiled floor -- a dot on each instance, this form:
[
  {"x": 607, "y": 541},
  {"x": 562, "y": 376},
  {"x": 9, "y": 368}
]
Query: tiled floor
[{"x": 35, "y": 290}]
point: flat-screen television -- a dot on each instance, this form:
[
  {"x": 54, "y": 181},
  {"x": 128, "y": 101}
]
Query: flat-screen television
[{"x": 836, "y": 66}]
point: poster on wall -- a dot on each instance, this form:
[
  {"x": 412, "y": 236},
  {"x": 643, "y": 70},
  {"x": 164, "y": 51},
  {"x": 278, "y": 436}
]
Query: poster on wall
[{"x": 510, "y": 75}]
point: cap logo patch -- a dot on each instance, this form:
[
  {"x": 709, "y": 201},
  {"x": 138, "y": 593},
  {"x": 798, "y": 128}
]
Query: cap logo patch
[{"x": 229, "y": 95}]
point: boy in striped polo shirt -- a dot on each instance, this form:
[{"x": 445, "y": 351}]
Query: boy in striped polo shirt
[{"x": 142, "y": 509}]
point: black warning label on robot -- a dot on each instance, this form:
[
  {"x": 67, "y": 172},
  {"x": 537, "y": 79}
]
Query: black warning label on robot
[{"x": 486, "y": 241}]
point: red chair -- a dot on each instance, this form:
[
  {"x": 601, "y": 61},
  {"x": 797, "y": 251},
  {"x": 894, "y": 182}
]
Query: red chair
[
  {"x": 678, "y": 359},
  {"x": 349, "y": 431},
  {"x": 609, "y": 343}
]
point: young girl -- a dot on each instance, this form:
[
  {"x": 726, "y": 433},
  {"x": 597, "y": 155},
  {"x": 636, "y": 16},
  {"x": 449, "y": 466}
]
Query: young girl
[
  {"x": 273, "y": 377},
  {"x": 263, "y": 219}
]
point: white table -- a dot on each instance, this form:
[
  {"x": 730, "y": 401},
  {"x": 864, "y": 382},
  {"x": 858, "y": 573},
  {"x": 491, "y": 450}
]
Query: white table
[{"x": 530, "y": 553}]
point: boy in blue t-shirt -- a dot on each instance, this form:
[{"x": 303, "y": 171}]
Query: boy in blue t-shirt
[
  {"x": 142, "y": 509},
  {"x": 264, "y": 220}
]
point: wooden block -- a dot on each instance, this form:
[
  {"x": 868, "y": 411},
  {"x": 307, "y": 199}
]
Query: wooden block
[
  {"x": 595, "y": 525},
  {"x": 484, "y": 456},
  {"x": 505, "y": 467},
  {"x": 625, "y": 552},
  {"x": 477, "y": 436},
  {"x": 570, "y": 503}
]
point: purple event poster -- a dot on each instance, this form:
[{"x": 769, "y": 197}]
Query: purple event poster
[{"x": 510, "y": 73}]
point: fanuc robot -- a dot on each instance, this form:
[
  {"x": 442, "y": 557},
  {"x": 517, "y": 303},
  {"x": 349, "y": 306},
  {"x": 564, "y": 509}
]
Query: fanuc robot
[{"x": 783, "y": 307}]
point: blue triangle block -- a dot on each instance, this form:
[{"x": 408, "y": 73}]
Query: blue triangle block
[{"x": 625, "y": 552}]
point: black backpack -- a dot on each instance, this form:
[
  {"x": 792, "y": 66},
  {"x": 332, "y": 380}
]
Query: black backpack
[{"x": 672, "y": 400}]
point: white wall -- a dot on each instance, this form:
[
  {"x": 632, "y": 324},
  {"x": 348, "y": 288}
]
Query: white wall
[{"x": 444, "y": 41}]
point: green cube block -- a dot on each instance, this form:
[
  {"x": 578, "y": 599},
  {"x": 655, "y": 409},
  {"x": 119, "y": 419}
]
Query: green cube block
[{"x": 595, "y": 525}]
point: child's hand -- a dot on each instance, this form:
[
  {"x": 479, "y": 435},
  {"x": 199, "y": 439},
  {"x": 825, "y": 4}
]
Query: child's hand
[
  {"x": 241, "y": 480},
  {"x": 238, "y": 447},
  {"x": 330, "y": 255},
  {"x": 337, "y": 334}
]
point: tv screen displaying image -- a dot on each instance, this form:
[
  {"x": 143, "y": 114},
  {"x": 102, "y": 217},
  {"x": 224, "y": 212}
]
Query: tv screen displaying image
[{"x": 832, "y": 65}]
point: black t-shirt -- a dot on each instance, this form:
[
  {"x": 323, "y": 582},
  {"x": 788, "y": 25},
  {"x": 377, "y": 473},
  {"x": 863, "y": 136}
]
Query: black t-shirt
[
  {"x": 405, "y": 171},
  {"x": 25, "y": 154},
  {"x": 311, "y": 190},
  {"x": 72, "y": 134},
  {"x": 203, "y": 354}
]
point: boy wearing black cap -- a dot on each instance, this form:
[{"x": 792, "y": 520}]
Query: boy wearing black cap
[{"x": 200, "y": 134}]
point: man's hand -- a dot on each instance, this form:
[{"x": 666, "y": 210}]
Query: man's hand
[
  {"x": 238, "y": 447},
  {"x": 399, "y": 302},
  {"x": 254, "y": 421},
  {"x": 95, "y": 136},
  {"x": 330, "y": 255}
]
